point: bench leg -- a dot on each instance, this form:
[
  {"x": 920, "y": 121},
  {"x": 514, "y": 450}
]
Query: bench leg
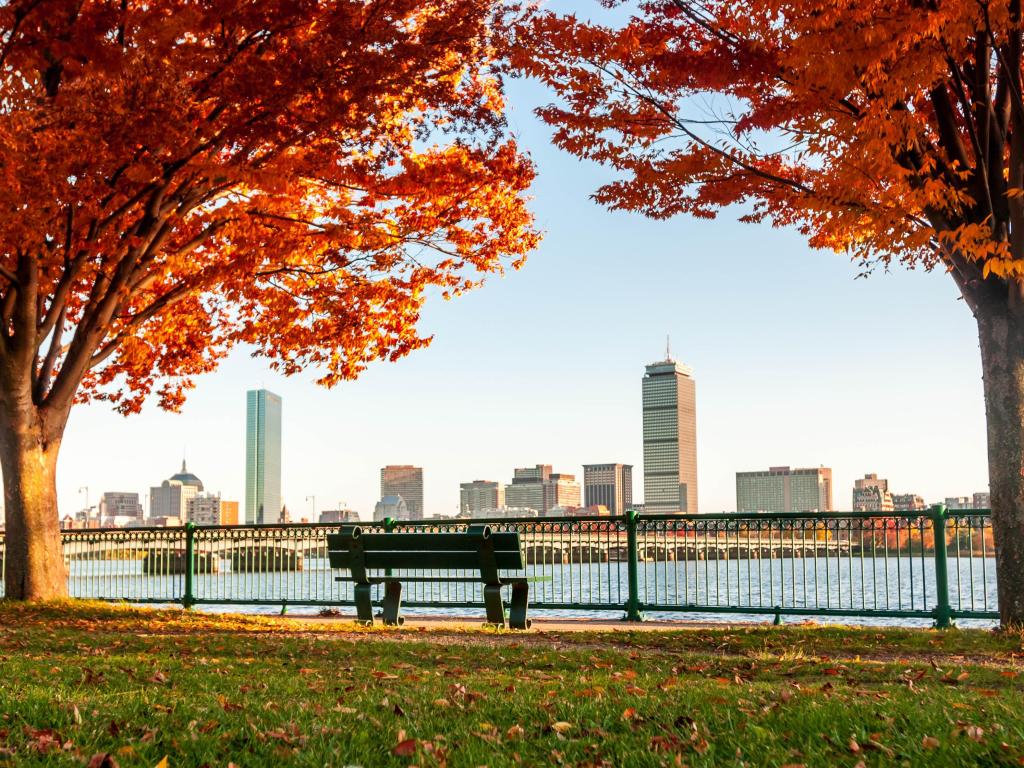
[
  {"x": 520, "y": 603},
  {"x": 495, "y": 606},
  {"x": 364, "y": 605},
  {"x": 392, "y": 605}
]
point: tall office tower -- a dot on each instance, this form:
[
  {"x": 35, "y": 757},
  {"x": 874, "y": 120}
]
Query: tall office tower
[
  {"x": 541, "y": 489},
  {"x": 479, "y": 495},
  {"x": 670, "y": 438},
  {"x": 871, "y": 494},
  {"x": 781, "y": 489},
  {"x": 262, "y": 458},
  {"x": 405, "y": 481},
  {"x": 610, "y": 485}
]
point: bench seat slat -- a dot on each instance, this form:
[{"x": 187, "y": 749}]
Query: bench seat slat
[
  {"x": 448, "y": 542},
  {"x": 419, "y": 579},
  {"x": 432, "y": 560}
]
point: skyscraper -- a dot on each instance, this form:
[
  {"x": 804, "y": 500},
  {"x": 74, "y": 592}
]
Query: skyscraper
[
  {"x": 262, "y": 457},
  {"x": 670, "y": 438},
  {"x": 406, "y": 481},
  {"x": 781, "y": 489},
  {"x": 610, "y": 485}
]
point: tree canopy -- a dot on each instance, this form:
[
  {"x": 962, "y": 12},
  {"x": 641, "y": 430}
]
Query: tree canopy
[
  {"x": 179, "y": 177},
  {"x": 893, "y": 130}
]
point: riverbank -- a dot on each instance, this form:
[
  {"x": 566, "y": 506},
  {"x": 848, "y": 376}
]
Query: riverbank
[{"x": 82, "y": 680}]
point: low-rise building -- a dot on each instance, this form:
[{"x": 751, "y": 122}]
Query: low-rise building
[
  {"x": 338, "y": 516},
  {"x": 871, "y": 494},
  {"x": 539, "y": 488},
  {"x": 229, "y": 511},
  {"x": 480, "y": 494},
  {"x": 122, "y": 506},
  {"x": 501, "y": 513},
  {"x": 782, "y": 489},
  {"x": 210, "y": 509},
  {"x": 391, "y": 506},
  {"x": 908, "y": 502}
]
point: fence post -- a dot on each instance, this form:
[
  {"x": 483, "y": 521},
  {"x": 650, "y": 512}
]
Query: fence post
[
  {"x": 633, "y": 612},
  {"x": 943, "y": 610},
  {"x": 389, "y": 526},
  {"x": 189, "y": 599}
]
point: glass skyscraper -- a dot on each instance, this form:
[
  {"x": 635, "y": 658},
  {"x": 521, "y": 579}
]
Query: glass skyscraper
[
  {"x": 670, "y": 438},
  {"x": 262, "y": 457}
]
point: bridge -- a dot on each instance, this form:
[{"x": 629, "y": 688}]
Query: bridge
[{"x": 271, "y": 551}]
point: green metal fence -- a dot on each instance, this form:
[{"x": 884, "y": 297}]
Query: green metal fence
[{"x": 933, "y": 565}]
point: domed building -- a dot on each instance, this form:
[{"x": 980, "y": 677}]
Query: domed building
[
  {"x": 169, "y": 500},
  {"x": 186, "y": 478}
]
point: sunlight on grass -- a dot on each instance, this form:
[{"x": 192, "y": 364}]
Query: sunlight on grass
[{"x": 81, "y": 681}]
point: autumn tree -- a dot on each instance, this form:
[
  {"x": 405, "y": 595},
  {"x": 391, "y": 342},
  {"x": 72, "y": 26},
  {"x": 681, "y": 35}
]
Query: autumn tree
[
  {"x": 178, "y": 177},
  {"x": 892, "y": 130}
]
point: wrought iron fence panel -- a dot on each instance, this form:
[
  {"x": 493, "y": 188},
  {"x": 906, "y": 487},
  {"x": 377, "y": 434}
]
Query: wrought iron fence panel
[
  {"x": 899, "y": 565},
  {"x": 139, "y": 565}
]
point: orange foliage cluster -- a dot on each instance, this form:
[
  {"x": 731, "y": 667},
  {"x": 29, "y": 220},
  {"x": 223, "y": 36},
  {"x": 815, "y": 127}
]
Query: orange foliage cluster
[
  {"x": 179, "y": 177},
  {"x": 893, "y": 129}
]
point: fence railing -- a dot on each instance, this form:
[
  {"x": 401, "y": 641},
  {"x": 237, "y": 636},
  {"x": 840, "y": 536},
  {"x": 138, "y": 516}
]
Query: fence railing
[{"x": 934, "y": 565}]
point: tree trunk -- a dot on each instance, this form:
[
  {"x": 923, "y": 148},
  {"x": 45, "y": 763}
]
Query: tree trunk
[
  {"x": 34, "y": 567},
  {"x": 1001, "y": 333}
]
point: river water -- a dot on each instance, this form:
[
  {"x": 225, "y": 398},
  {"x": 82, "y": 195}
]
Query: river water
[{"x": 679, "y": 589}]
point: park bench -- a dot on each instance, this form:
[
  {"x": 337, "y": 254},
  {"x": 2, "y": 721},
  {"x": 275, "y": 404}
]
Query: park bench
[{"x": 478, "y": 548}]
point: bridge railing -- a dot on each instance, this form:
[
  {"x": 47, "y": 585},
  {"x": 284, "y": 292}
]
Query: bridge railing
[{"x": 934, "y": 564}]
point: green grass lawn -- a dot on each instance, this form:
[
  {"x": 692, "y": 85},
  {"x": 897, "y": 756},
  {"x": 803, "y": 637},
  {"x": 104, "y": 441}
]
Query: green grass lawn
[{"x": 80, "y": 680}]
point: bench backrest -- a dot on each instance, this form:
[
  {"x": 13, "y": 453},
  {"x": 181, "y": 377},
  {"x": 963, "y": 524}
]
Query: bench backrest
[{"x": 477, "y": 548}]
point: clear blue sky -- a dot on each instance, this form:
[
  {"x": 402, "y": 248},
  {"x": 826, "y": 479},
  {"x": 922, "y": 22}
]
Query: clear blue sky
[{"x": 796, "y": 361}]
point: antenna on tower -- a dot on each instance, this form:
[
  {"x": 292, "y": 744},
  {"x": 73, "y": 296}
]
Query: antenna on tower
[{"x": 668, "y": 347}]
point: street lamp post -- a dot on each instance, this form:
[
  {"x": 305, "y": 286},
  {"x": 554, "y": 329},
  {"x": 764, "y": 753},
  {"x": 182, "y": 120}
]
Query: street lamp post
[{"x": 85, "y": 489}]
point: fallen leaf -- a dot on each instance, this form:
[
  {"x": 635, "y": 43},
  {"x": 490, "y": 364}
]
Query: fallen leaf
[
  {"x": 103, "y": 760},
  {"x": 405, "y": 748},
  {"x": 929, "y": 742}
]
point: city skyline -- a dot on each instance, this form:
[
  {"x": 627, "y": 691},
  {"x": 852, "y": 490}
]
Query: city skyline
[
  {"x": 756, "y": 491},
  {"x": 775, "y": 382}
]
